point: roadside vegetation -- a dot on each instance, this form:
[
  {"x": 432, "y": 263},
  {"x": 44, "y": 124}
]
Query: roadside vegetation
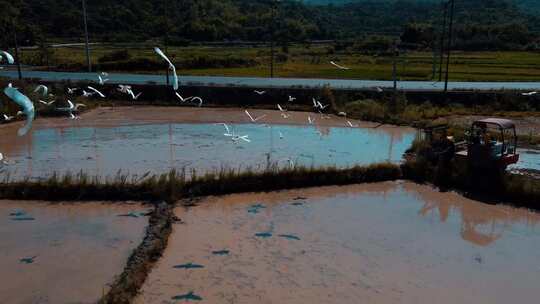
[
  {"x": 509, "y": 105},
  {"x": 294, "y": 60}
]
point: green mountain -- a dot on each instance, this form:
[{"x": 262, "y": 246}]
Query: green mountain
[
  {"x": 479, "y": 23},
  {"x": 527, "y": 6}
]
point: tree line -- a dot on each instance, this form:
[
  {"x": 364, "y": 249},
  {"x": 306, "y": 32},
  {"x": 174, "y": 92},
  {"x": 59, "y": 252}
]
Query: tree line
[{"x": 479, "y": 24}]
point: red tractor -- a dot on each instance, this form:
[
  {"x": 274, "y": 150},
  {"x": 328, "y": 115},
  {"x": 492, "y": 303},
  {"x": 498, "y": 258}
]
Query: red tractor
[{"x": 491, "y": 144}]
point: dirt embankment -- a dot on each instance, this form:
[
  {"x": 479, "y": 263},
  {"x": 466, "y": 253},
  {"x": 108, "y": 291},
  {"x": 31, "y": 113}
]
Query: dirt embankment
[{"x": 143, "y": 257}]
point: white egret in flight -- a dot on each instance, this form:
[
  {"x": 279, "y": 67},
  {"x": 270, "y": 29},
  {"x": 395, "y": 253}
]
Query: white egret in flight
[
  {"x": 102, "y": 80},
  {"x": 133, "y": 96},
  {"x": 8, "y": 56},
  {"x": 237, "y": 138},
  {"x": 124, "y": 88},
  {"x": 197, "y": 99},
  {"x": 3, "y": 161},
  {"x": 87, "y": 94},
  {"x": 47, "y": 103},
  {"x": 339, "y": 66},
  {"x": 71, "y": 108},
  {"x": 254, "y": 119},
  {"x": 318, "y": 105},
  {"x": 234, "y": 137},
  {"x": 182, "y": 99},
  {"x": 171, "y": 66},
  {"x": 228, "y": 134},
  {"x": 42, "y": 88},
  {"x": 321, "y": 106},
  {"x": 25, "y": 103},
  {"x": 96, "y": 91}
]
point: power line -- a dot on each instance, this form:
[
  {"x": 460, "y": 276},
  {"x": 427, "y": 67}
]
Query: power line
[
  {"x": 17, "y": 58},
  {"x": 449, "y": 48},
  {"x": 443, "y": 33}
]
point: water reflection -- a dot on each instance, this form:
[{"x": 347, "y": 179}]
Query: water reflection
[
  {"x": 481, "y": 224},
  {"x": 386, "y": 243},
  {"x": 477, "y": 223}
]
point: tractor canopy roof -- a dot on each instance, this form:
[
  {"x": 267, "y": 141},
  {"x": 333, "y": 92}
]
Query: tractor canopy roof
[{"x": 500, "y": 122}]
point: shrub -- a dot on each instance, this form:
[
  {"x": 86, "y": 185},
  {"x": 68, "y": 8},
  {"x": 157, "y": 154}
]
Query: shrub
[
  {"x": 366, "y": 110},
  {"x": 328, "y": 96},
  {"x": 121, "y": 55},
  {"x": 282, "y": 57},
  {"x": 205, "y": 62},
  {"x": 136, "y": 64}
]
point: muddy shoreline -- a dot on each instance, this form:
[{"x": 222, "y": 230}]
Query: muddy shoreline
[{"x": 143, "y": 115}]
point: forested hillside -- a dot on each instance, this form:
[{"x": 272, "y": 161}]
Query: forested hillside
[
  {"x": 528, "y": 6},
  {"x": 479, "y": 23}
]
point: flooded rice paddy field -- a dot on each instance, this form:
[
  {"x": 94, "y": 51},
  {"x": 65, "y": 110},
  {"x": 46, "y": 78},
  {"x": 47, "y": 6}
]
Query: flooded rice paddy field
[
  {"x": 64, "y": 253},
  {"x": 381, "y": 243},
  {"x": 139, "y": 140}
]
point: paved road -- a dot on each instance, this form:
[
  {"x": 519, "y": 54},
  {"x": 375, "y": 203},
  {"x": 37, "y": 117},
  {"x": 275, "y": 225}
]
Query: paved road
[{"x": 276, "y": 82}]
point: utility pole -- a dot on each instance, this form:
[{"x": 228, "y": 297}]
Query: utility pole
[
  {"x": 434, "y": 66},
  {"x": 394, "y": 77},
  {"x": 272, "y": 37},
  {"x": 166, "y": 35},
  {"x": 87, "y": 43},
  {"x": 15, "y": 40},
  {"x": 46, "y": 50},
  {"x": 449, "y": 49},
  {"x": 443, "y": 33}
]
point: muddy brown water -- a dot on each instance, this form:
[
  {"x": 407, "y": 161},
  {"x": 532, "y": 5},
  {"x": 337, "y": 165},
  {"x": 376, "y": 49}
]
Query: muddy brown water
[
  {"x": 379, "y": 243},
  {"x": 64, "y": 253},
  {"x": 136, "y": 140}
]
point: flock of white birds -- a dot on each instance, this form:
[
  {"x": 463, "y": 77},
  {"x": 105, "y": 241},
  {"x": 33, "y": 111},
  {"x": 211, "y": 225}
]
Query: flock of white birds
[{"x": 71, "y": 109}]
